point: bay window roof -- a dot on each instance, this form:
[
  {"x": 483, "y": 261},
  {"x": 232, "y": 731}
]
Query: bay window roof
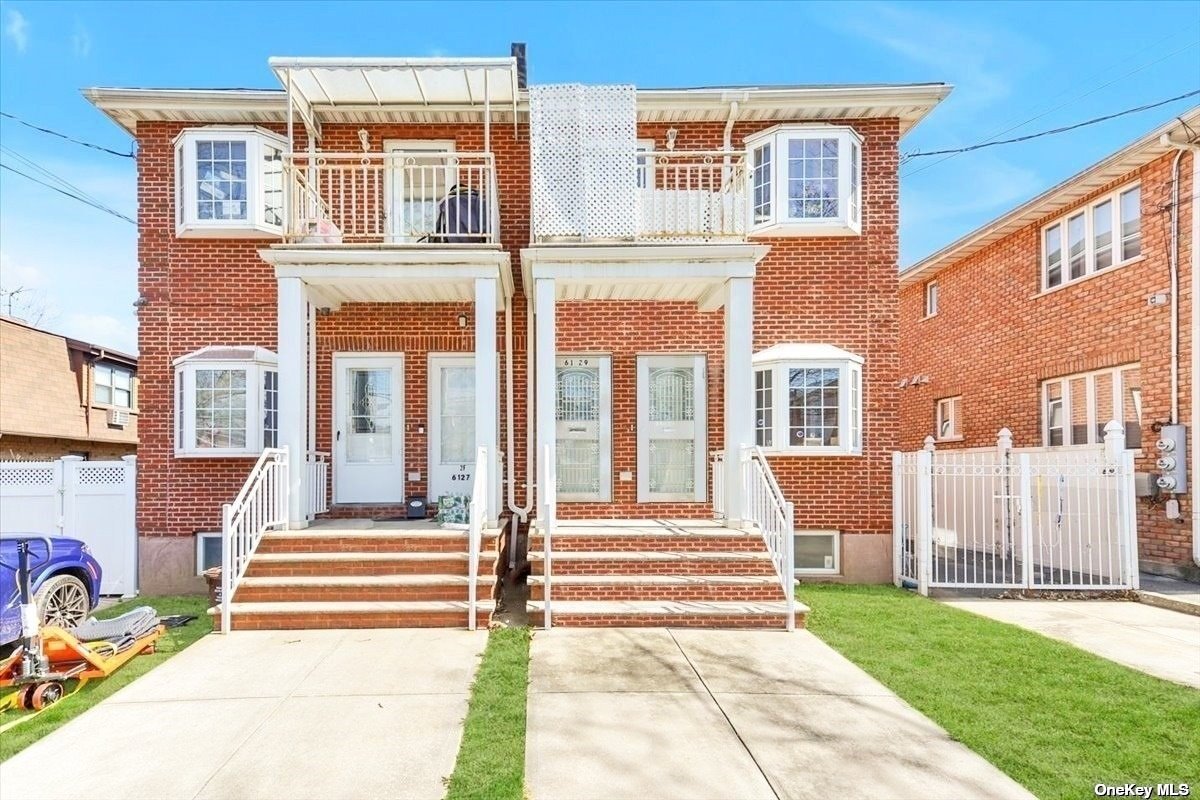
[{"x": 803, "y": 351}]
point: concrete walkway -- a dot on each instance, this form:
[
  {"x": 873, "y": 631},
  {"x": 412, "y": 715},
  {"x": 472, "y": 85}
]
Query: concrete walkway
[
  {"x": 271, "y": 714},
  {"x": 1156, "y": 641},
  {"x": 656, "y": 714}
]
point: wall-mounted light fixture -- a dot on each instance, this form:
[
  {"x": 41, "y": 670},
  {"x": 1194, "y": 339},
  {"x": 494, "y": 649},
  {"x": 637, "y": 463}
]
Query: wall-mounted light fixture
[{"x": 462, "y": 319}]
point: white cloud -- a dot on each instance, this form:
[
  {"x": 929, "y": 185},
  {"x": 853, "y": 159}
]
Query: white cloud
[
  {"x": 81, "y": 40},
  {"x": 16, "y": 28}
]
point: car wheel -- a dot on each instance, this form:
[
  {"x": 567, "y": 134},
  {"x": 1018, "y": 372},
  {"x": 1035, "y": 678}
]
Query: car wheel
[{"x": 63, "y": 601}]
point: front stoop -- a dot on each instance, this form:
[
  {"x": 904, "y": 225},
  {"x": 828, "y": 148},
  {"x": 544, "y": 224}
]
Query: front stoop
[{"x": 358, "y": 575}]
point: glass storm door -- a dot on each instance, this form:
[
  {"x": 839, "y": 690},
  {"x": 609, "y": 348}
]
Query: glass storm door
[
  {"x": 671, "y": 427},
  {"x": 583, "y": 400},
  {"x": 451, "y": 425},
  {"x": 368, "y": 429}
]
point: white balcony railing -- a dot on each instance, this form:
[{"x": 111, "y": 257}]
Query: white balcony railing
[{"x": 403, "y": 198}]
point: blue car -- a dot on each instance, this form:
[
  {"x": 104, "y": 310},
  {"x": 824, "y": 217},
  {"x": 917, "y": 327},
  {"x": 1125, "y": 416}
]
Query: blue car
[{"x": 64, "y": 579}]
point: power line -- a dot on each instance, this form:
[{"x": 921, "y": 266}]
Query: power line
[
  {"x": 72, "y": 139},
  {"x": 1053, "y": 131},
  {"x": 63, "y": 182},
  {"x": 95, "y": 205}
]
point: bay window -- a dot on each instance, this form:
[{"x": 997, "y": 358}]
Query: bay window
[
  {"x": 226, "y": 402},
  {"x": 806, "y": 180},
  {"x": 1075, "y": 408},
  {"x": 229, "y": 182},
  {"x": 1087, "y": 236},
  {"x": 808, "y": 400}
]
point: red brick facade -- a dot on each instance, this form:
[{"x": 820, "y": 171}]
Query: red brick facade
[
  {"x": 997, "y": 336},
  {"x": 835, "y": 290}
]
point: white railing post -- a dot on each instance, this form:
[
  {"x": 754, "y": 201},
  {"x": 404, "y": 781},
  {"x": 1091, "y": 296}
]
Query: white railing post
[
  {"x": 1120, "y": 461},
  {"x": 924, "y": 532},
  {"x": 226, "y": 565},
  {"x": 547, "y": 488},
  {"x": 897, "y": 519},
  {"x": 789, "y": 549},
  {"x": 1025, "y": 509}
]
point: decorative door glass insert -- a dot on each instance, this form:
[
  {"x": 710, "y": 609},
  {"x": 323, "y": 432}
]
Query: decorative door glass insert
[
  {"x": 578, "y": 408},
  {"x": 369, "y": 439}
]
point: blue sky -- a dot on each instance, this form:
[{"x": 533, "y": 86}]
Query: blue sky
[{"x": 1009, "y": 62}]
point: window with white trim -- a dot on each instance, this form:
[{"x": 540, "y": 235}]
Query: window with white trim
[
  {"x": 645, "y": 164},
  {"x": 948, "y": 418},
  {"x": 208, "y": 551},
  {"x": 1075, "y": 408},
  {"x": 226, "y": 402},
  {"x": 113, "y": 386},
  {"x": 229, "y": 182},
  {"x": 808, "y": 400},
  {"x": 817, "y": 552},
  {"x": 931, "y": 298},
  {"x": 806, "y": 180},
  {"x": 1082, "y": 243}
]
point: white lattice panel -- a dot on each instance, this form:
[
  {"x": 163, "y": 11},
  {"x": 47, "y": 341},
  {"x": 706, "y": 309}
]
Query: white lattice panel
[{"x": 583, "y": 142}]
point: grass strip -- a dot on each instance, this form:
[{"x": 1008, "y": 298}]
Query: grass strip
[
  {"x": 491, "y": 758},
  {"x": 1057, "y": 719}
]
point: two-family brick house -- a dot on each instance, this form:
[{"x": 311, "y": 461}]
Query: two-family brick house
[
  {"x": 64, "y": 397},
  {"x": 581, "y": 306},
  {"x": 1075, "y": 308}
]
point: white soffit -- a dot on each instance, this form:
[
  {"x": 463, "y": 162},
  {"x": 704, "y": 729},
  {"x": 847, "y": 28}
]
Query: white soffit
[{"x": 803, "y": 351}]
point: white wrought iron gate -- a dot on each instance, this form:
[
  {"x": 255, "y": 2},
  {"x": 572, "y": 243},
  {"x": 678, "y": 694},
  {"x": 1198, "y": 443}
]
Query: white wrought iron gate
[
  {"x": 995, "y": 518},
  {"x": 89, "y": 500}
]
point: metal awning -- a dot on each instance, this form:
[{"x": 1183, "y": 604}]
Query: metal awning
[{"x": 314, "y": 85}]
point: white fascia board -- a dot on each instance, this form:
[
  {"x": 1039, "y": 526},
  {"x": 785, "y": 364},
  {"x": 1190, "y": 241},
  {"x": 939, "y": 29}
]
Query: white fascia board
[{"x": 804, "y": 351}]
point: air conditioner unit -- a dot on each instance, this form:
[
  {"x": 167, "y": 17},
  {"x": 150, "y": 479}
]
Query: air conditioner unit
[{"x": 118, "y": 417}]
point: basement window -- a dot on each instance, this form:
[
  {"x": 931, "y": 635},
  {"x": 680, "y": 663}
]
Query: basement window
[
  {"x": 226, "y": 402},
  {"x": 817, "y": 553},
  {"x": 808, "y": 400},
  {"x": 208, "y": 551},
  {"x": 806, "y": 180},
  {"x": 229, "y": 182}
]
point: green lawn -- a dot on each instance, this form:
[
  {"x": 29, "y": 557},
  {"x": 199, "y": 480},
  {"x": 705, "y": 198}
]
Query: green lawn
[
  {"x": 1057, "y": 719},
  {"x": 491, "y": 758},
  {"x": 25, "y": 734}
]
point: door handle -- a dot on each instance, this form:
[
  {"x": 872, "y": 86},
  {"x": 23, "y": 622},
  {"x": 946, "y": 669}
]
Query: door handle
[
  {"x": 577, "y": 430},
  {"x": 339, "y": 436}
]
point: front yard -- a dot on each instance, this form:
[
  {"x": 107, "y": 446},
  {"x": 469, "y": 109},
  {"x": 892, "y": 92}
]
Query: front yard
[
  {"x": 17, "y": 739},
  {"x": 1055, "y": 718}
]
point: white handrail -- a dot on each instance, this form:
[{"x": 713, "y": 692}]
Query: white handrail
[
  {"x": 478, "y": 513},
  {"x": 775, "y": 517},
  {"x": 318, "y": 483},
  {"x": 547, "y": 486},
  {"x": 261, "y": 505}
]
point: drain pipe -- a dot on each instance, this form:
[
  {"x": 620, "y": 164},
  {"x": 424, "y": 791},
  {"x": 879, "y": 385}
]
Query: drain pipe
[{"x": 521, "y": 512}]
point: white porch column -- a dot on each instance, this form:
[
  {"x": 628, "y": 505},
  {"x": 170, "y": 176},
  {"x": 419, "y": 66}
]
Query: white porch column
[
  {"x": 487, "y": 386},
  {"x": 293, "y": 392},
  {"x": 739, "y": 388},
  {"x": 544, "y": 373}
]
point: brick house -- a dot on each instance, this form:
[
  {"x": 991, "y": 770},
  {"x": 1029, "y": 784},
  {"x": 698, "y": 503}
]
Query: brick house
[
  {"x": 580, "y": 306},
  {"x": 1073, "y": 309},
  {"x": 64, "y": 397}
]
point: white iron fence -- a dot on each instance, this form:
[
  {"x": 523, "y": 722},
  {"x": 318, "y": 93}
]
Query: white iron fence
[
  {"x": 1003, "y": 517},
  {"x": 766, "y": 507},
  {"x": 261, "y": 505},
  {"x": 94, "y": 501}
]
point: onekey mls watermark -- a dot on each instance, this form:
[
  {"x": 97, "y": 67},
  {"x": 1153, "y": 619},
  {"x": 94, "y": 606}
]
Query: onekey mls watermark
[{"x": 1146, "y": 790}]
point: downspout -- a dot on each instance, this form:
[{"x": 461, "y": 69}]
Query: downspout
[
  {"x": 1173, "y": 256},
  {"x": 522, "y": 512}
]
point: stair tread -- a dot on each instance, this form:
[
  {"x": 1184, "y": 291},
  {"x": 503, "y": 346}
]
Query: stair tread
[
  {"x": 651, "y": 555},
  {"x": 343, "y": 555},
  {"x": 352, "y": 606},
  {"x": 374, "y": 533},
  {"x": 364, "y": 580},
  {"x": 659, "y": 580},
  {"x": 680, "y": 607}
]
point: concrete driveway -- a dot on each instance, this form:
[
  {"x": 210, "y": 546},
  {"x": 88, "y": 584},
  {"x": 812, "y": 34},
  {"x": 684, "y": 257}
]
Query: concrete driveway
[
  {"x": 1157, "y": 641},
  {"x": 656, "y": 713},
  {"x": 270, "y": 714}
]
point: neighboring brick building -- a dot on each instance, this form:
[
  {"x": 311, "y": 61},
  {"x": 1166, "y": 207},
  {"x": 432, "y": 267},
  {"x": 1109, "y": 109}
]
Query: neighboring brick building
[
  {"x": 1057, "y": 317},
  {"x": 61, "y": 396},
  {"x": 611, "y": 254}
]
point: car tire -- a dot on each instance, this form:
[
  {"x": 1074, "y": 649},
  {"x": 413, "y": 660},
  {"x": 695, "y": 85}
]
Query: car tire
[{"x": 63, "y": 601}]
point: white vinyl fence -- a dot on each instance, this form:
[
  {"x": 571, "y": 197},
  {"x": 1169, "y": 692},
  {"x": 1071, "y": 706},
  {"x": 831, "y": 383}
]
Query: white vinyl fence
[
  {"x": 1016, "y": 518},
  {"x": 89, "y": 500}
]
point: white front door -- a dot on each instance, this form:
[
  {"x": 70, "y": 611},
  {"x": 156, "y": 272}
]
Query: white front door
[
  {"x": 368, "y": 425},
  {"x": 419, "y": 179},
  {"x": 451, "y": 425},
  {"x": 671, "y": 428},
  {"x": 583, "y": 437}
]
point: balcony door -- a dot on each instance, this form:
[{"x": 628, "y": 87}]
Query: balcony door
[
  {"x": 368, "y": 428},
  {"x": 418, "y": 177},
  {"x": 583, "y": 438},
  {"x": 671, "y": 428}
]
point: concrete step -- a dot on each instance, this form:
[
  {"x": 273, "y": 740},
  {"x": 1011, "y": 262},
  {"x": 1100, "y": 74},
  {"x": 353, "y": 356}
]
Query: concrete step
[
  {"x": 351, "y": 614},
  {"x": 388, "y": 588},
  {"x": 764, "y": 588},
  {"x": 654, "y": 562},
  {"x": 263, "y": 565},
  {"x": 672, "y": 614},
  {"x": 585, "y": 540},
  {"x": 370, "y": 540}
]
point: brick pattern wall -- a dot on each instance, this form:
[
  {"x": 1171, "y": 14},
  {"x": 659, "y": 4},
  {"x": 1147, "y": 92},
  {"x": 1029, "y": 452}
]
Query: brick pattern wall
[
  {"x": 996, "y": 337},
  {"x": 40, "y": 448}
]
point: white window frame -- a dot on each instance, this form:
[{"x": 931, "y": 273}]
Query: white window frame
[
  {"x": 256, "y": 362},
  {"x": 948, "y": 409},
  {"x": 836, "y": 569},
  {"x": 257, "y": 140},
  {"x": 393, "y": 178},
  {"x": 1090, "y": 404},
  {"x": 1116, "y": 245},
  {"x": 200, "y": 537},
  {"x": 113, "y": 369},
  {"x": 780, "y": 360},
  {"x": 779, "y": 222},
  {"x": 932, "y": 293},
  {"x": 646, "y": 169}
]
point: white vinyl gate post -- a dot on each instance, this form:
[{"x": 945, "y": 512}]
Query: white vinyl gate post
[
  {"x": 1120, "y": 461},
  {"x": 1025, "y": 509},
  {"x": 924, "y": 519},
  {"x": 897, "y": 520}
]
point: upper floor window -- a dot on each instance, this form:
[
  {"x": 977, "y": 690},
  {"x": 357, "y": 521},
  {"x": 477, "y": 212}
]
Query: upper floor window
[
  {"x": 806, "y": 181},
  {"x": 1075, "y": 408},
  {"x": 226, "y": 401},
  {"x": 931, "y": 298},
  {"x": 808, "y": 399},
  {"x": 229, "y": 182},
  {"x": 1103, "y": 234},
  {"x": 113, "y": 386}
]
